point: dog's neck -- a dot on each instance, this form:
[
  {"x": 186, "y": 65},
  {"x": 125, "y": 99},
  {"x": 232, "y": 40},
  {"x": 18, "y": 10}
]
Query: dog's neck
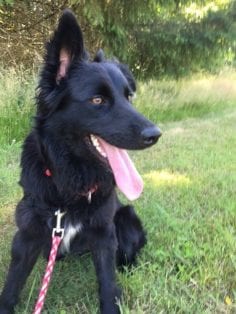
[
  {"x": 88, "y": 194},
  {"x": 74, "y": 170}
]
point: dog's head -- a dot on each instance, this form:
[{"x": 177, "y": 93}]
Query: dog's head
[
  {"x": 90, "y": 101},
  {"x": 90, "y": 97}
]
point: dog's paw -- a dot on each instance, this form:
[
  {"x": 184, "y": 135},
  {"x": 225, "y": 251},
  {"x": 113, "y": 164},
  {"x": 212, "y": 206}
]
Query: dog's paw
[
  {"x": 111, "y": 304},
  {"x": 110, "y": 309},
  {"x": 118, "y": 294}
]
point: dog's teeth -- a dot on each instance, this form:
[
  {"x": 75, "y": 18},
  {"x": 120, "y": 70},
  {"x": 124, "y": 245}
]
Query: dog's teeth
[
  {"x": 101, "y": 151},
  {"x": 104, "y": 154},
  {"x": 96, "y": 144},
  {"x": 94, "y": 139}
]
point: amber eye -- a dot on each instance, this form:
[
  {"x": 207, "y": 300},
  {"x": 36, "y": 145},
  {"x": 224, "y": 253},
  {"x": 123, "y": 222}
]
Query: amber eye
[{"x": 97, "y": 100}]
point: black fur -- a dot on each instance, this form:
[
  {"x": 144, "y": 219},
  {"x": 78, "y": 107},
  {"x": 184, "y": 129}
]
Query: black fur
[{"x": 59, "y": 141}]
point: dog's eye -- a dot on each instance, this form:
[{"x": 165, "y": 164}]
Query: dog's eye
[{"x": 97, "y": 100}]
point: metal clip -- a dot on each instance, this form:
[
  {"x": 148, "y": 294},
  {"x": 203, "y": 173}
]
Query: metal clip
[
  {"x": 89, "y": 197},
  {"x": 58, "y": 230}
]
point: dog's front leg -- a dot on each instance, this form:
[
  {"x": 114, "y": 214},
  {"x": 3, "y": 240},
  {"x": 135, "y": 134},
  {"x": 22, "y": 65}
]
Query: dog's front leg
[
  {"x": 24, "y": 255},
  {"x": 103, "y": 246}
]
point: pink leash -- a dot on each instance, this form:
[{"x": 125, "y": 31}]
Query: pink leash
[{"x": 56, "y": 240}]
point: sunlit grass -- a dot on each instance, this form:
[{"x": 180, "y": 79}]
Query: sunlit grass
[
  {"x": 164, "y": 177},
  {"x": 189, "y": 97}
]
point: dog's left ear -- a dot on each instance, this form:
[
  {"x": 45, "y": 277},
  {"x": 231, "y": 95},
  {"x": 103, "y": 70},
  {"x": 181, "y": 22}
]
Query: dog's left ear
[{"x": 66, "y": 45}]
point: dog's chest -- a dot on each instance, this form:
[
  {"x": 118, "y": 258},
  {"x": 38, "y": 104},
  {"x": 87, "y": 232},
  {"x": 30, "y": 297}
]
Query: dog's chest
[{"x": 71, "y": 230}]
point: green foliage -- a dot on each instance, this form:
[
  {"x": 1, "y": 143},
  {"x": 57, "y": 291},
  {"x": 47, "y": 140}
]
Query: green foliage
[
  {"x": 6, "y": 2},
  {"x": 156, "y": 38},
  {"x": 176, "y": 44}
]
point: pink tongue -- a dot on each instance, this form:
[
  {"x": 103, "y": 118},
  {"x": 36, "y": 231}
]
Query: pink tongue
[{"x": 126, "y": 176}]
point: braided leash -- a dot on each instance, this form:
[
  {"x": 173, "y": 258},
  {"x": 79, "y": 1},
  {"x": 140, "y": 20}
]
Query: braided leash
[
  {"x": 56, "y": 240},
  {"x": 48, "y": 274}
]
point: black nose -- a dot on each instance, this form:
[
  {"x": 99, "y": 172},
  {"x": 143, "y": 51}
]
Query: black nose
[{"x": 150, "y": 135}]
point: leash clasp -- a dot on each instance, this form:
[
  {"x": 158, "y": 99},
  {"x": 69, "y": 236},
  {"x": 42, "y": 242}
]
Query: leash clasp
[{"x": 58, "y": 231}]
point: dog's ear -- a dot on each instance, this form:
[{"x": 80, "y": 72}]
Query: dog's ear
[
  {"x": 65, "y": 46},
  {"x": 100, "y": 56},
  {"x": 129, "y": 76}
]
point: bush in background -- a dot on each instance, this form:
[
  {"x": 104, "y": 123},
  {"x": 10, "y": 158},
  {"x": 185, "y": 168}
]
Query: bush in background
[{"x": 155, "y": 37}]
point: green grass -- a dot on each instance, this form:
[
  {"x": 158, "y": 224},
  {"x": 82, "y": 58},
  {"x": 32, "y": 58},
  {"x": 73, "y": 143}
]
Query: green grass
[
  {"x": 16, "y": 104},
  {"x": 188, "y": 205},
  {"x": 190, "y": 97}
]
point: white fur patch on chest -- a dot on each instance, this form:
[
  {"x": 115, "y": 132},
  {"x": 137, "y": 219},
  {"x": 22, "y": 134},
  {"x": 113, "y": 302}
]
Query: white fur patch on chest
[{"x": 70, "y": 232}]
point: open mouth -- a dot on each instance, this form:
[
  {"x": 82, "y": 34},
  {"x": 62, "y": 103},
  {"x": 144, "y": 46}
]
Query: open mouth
[{"x": 126, "y": 176}]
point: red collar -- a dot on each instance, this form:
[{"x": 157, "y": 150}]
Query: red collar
[{"x": 48, "y": 173}]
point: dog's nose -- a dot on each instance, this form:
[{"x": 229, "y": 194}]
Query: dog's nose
[{"x": 150, "y": 135}]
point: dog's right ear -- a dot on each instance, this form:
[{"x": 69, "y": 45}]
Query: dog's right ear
[
  {"x": 65, "y": 46},
  {"x": 100, "y": 56}
]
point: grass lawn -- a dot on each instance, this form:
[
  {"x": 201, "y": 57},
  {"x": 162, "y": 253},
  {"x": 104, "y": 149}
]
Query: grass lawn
[{"x": 188, "y": 206}]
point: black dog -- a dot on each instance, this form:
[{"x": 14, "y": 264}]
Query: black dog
[{"x": 67, "y": 163}]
